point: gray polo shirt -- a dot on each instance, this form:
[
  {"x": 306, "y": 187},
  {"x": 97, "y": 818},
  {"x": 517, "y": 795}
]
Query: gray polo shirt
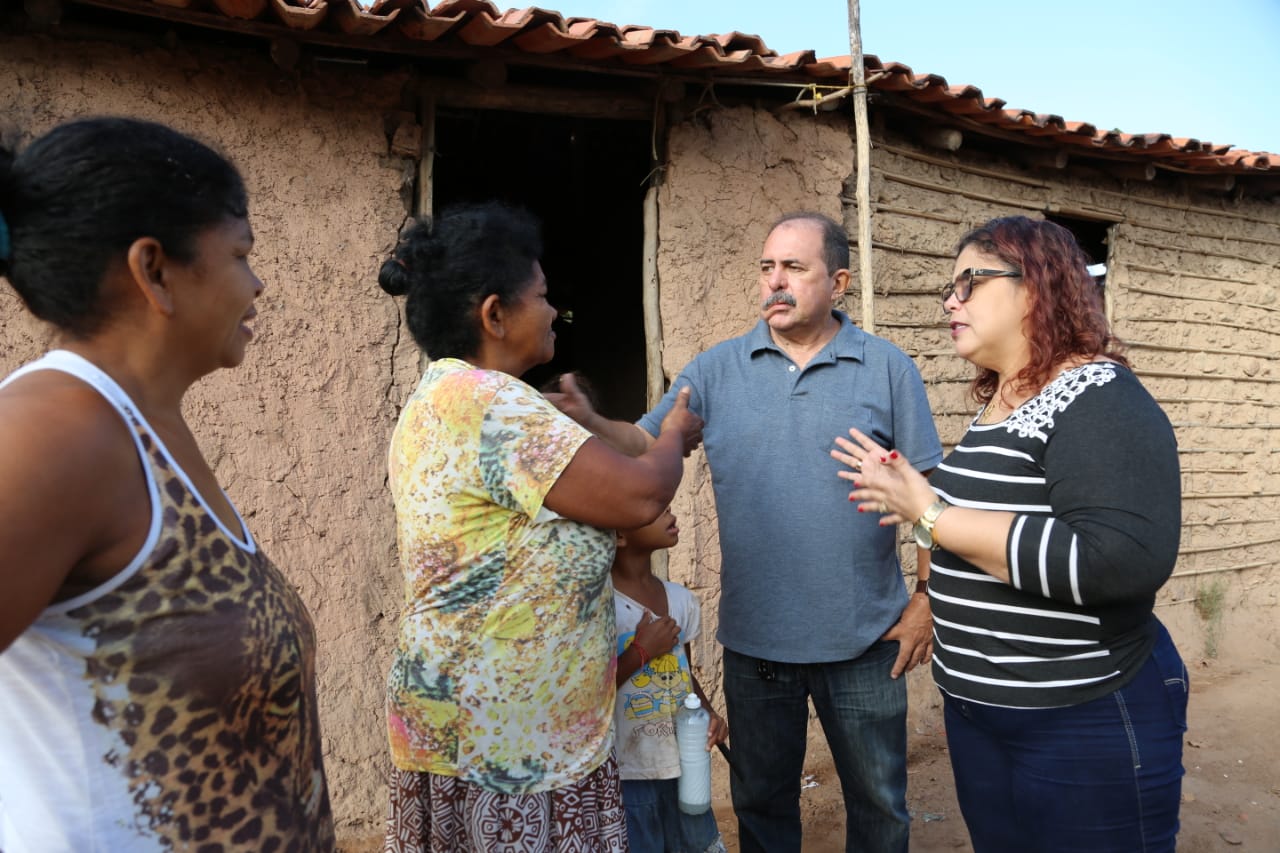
[{"x": 805, "y": 577}]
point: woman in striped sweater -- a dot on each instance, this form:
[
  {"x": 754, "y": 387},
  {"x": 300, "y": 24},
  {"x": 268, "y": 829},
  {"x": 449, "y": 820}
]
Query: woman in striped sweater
[{"x": 1046, "y": 534}]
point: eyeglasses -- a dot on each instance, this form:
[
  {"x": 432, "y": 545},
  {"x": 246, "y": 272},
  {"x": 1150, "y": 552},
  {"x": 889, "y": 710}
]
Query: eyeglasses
[{"x": 963, "y": 286}]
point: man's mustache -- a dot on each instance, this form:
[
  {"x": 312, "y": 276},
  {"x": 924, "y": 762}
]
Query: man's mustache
[{"x": 779, "y": 298}]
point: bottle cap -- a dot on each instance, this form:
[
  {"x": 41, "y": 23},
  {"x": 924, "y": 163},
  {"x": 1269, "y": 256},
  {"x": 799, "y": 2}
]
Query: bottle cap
[{"x": 692, "y": 702}]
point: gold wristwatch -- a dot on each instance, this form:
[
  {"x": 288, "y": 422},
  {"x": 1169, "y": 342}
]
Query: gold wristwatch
[{"x": 923, "y": 528}]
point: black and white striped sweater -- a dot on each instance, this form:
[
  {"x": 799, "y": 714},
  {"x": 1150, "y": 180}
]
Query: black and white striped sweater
[{"x": 1090, "y": 467}]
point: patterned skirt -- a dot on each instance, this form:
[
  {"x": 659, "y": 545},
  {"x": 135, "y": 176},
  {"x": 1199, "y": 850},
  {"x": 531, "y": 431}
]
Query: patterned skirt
[{"x": 443, "y": 814}]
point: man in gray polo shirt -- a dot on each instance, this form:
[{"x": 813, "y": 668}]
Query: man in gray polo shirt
[{"x": 812, "y": 604}]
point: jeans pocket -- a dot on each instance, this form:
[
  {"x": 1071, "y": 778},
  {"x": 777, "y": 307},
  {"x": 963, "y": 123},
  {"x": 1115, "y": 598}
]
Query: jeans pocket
[
  {"x": 1173, "y": 674},
  {"x": 882, "y": 650}
]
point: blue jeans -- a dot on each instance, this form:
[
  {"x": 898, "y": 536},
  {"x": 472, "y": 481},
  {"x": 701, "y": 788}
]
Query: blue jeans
[
  {"x": 655, "y": 823},
  {"x": 864, "y": 716},
  {"x": 1101, "y": 777}
]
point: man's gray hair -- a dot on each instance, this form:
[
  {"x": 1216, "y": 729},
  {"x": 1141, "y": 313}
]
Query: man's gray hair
[{"x": 835, "y": 241}]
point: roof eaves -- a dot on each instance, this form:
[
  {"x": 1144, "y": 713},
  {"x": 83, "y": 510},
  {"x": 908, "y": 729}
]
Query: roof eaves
[{"x": 739, "y": 57}]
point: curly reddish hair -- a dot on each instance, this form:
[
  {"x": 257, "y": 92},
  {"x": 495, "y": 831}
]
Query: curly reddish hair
[{"x": 1066, "y": 318}]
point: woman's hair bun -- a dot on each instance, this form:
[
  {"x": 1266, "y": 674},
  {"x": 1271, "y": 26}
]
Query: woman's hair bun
[
  {"x": 415, "y": 255},
  {"x": 394, "y": 278}
]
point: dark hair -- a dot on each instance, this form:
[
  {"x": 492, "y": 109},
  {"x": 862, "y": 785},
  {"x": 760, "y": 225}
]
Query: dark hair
[
  {"x": 835, "y": 240},
  {"x": 1066, "y": 317},
  {"x": 76, "y": 198},
  {"x": 452, "y": 264}
]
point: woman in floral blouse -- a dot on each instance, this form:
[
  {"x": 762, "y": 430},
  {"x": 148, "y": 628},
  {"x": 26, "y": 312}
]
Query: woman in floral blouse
[{"x": 500, "y": 694}]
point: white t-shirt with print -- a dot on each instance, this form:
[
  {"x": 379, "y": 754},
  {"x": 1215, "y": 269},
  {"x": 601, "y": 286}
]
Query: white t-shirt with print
[{"x": 647, "y": 701}]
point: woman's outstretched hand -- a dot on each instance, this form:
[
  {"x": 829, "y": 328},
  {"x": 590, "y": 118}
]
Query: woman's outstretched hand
[
  {"x": 883, "y": 480},
  {"x": 681, "y": 418},
  {"x": 570, "y": 400}
]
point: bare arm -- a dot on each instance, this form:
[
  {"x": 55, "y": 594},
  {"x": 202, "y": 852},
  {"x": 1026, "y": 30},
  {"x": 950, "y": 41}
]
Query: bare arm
[
  {"x": 605, "y": 488},
  {"x": 977, "y": 535},
  {"x": 626, "y": 438},
  {"x": 629, "y": 663},
  {"x": 72, "y": 497},
  {"x": 718, "y": 729}
]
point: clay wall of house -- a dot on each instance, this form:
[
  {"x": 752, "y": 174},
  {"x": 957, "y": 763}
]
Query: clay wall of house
[
  {"x": 1192, "y": 289},
  {"x": 298, "y": 434}
]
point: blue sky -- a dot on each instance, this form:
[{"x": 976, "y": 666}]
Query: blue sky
[{"x": 1208, "y": 70}]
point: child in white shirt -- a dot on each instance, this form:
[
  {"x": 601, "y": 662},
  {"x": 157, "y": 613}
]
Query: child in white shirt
[{"x": 656, "y": 621}]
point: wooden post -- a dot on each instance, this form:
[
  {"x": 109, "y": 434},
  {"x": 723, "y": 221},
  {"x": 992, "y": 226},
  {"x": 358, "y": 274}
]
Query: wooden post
[
  {"x": 427, "y": 162},
  {"x": 426, "y": 175},
  {"x": 652, "y": 313},
  {"x": 655, "y": 378},
  {"x": 659, "y": 560},
  {"x": 862, "y": 162},
  {"x": 1114, "y": 237}
]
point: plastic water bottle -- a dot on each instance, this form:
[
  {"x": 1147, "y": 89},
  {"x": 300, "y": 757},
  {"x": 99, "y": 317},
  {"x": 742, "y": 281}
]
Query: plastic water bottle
[{"x": 694, "y": 791}]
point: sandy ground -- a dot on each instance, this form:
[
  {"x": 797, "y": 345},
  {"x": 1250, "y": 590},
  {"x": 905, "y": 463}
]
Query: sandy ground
[{"x": 1231, "y": 793}]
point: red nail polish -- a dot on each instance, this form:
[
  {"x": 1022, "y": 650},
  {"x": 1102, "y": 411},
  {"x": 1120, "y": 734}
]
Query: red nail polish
[
  {"x": 860, "y": 509},
  {"x": 893, "y": 455},
  {"x": 883, "y": 459}
]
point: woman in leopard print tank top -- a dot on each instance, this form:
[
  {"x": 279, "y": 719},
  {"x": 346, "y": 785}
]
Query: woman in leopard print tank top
[{"x": 157, "y": 673}]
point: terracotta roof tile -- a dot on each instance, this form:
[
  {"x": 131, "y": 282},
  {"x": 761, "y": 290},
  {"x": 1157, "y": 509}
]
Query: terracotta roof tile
[
  {"x": 353, "y": 19},
  {"x": 742, "y": 41},
  {"x": 708, "y": 56},
  {"x": 419, "y": 24},
  {"x": 486, "y": 29},
  {"x": 548, "y": 38},
  {"x": 738, "y": 56},
  {"x": 656, "y": 47}
]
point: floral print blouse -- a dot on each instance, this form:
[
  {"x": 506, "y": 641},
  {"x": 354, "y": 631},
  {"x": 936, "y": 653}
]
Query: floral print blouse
[{"x": 503, "y": 673}]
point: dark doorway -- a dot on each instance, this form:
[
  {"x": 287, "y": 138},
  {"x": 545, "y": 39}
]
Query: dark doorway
[
  {"x": 1092, "y": 235},
  {"x": 585, "y": 179}
]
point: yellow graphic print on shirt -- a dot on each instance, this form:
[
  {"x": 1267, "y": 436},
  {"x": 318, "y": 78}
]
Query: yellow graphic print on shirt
[{"x": 663, "y": 684}]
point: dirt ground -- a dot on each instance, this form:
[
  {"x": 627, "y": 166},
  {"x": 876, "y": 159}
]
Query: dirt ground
[{"x": 1230, "y": 795}]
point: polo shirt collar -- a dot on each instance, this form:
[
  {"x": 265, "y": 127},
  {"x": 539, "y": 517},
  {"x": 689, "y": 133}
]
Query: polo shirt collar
[{"x": 849, "y": 342}]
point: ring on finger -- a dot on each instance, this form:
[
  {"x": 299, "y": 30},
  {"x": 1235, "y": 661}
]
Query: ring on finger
[{"x": 884, "y": 507}]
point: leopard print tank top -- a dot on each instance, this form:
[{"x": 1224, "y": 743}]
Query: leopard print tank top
[{"x": 173, "y": 707}]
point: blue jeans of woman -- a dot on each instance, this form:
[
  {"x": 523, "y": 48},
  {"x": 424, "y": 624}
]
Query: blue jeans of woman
[
  {"x": 864, "y": 716},
  {"x": 1101, "y": 777}
]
